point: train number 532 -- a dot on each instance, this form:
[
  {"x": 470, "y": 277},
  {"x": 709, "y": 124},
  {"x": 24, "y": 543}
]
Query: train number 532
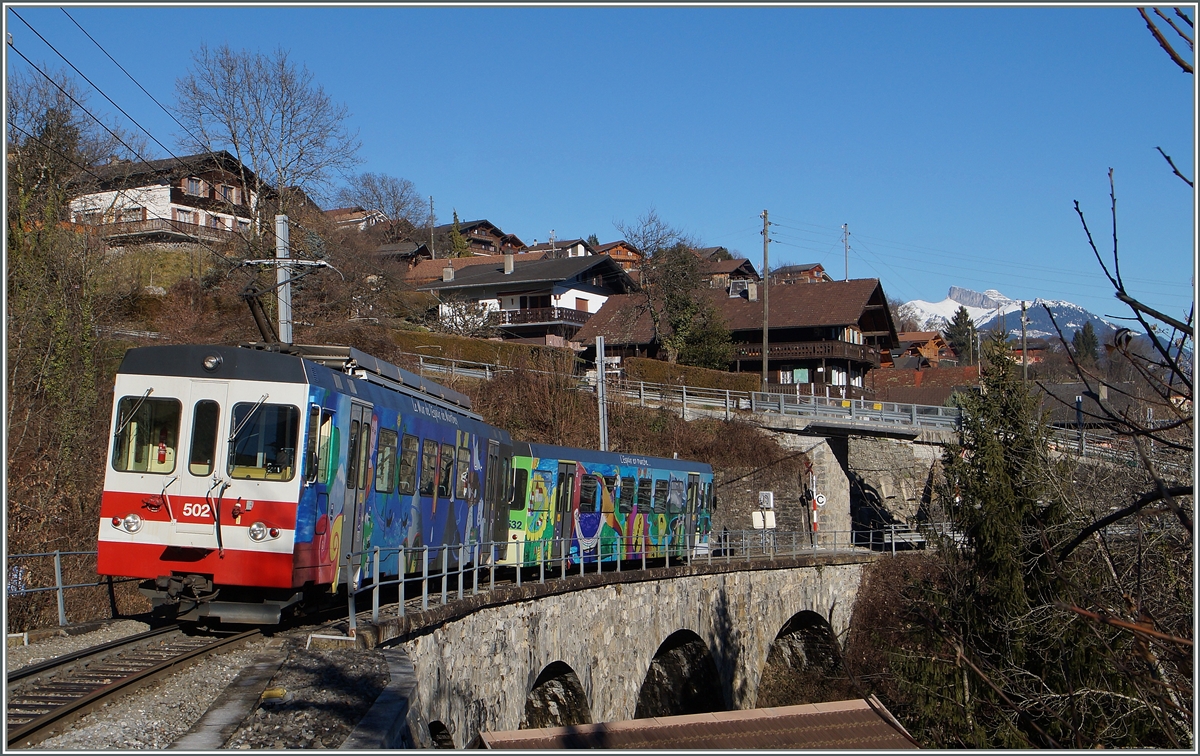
[{"x": 197, "y": 510}]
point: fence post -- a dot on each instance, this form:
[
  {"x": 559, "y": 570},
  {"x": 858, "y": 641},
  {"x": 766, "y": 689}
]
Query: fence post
[
  {"x": 684, "y": 414},
  {"x": 893, "y": 527},
  {"x": 421, "y": 365},
  {"x": 542, "y": 562},
  {"x": 475, "y": 570},
  {"x": 520, "y": 563},
  {"x": 462, "y": 563},
  {"x": 726, "y": 404},
  {"x": 402, "y": 560},
  {"x": 752, "y": 407},
  {"x": 353, "y": 612},
  {"x": 58, "y": 583},
  {"x": 619, "y": 551},
  {"x": 492, "y": 567},
  {"x": 781, "y": 404},
  {"x": 912, "y": 411},
  {"x": 424, "y": 577},
  {"x": 375, "y": 588},
  {"x": 445, "y": 570},
  {"x": 642, "y": 393}
]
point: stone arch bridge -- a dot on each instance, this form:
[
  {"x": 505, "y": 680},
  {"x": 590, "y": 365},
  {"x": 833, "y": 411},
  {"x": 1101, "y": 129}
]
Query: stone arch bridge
[{"x": 614, "y": 646}]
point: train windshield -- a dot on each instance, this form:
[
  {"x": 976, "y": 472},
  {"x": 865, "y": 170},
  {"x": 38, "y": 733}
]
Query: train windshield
[
  {"x": 264, "y": 445},
  {"x": 147, "y": 434}
]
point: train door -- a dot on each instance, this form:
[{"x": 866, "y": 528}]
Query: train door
[
  {"x": 189, "y": 490},
  {"x": 357, "y": 480},
  {"x": 495, "y": 513},
  {"x": 320, "y": 461},
  {"x": 691, "y": 529},
  {"x": 563, "y": 500}
]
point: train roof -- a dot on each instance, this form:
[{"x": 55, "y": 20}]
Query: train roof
[
  {"x": 282, "y": 364},
  {"x": 547, "y": 451}
]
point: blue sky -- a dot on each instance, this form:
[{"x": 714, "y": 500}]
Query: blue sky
[{"x": 953, "y": 141}]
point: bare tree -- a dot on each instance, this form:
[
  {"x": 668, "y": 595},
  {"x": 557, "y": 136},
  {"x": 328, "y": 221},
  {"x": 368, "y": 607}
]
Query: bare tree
[
  {"x": 397, "y": 198},
  {"x": 268, "y": 112},
  {"x": 463, "y": 316}
]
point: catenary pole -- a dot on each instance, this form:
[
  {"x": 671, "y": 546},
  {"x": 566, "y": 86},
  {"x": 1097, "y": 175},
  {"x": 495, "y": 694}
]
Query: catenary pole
[
  {"x": 766, "y": 279},
  {"x": 601, "y": 394},
  {"x": 283, "y": 277}
]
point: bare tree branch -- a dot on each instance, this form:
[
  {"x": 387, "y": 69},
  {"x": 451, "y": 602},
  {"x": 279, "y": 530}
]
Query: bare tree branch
[
  {"x": 1162, "y": 41},
  {"x": 1171, "y": 163},
  {"x": 1142, "y": 501},
  {"x": 1178, "y": 31}
]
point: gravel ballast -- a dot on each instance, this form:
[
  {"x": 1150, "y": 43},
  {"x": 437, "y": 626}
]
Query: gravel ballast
[{"x": 325, "y": 692}]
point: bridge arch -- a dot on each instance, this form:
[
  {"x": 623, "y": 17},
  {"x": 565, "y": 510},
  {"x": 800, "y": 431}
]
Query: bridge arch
[
  {"x": 557, "y": 699},
  {"x": 682, "y": 678},
  {"x": 804, "y": 665}
]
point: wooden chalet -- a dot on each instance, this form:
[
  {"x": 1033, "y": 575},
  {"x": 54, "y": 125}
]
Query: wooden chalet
[
  {"x": 804, "y": 273},
  {"x": 623, "y": 253},
  {"x": 482, "y": 236}
]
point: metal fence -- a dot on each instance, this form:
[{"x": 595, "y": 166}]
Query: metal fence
[
  {"x": 27, "y": 575},
  {"x": 449, "y": 573},
  {"x": 695, "y": 398}
]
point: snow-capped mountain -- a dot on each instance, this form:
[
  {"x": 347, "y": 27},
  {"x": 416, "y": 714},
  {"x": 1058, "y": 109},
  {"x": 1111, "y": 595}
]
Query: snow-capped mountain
[{"x": 991, "y": 308}]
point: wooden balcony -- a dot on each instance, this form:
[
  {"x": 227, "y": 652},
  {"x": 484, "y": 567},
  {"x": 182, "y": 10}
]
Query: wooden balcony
[
  {"x": 163, "y": 228},
  {"x": 809, "y": 350},
  {"x": 541, "y": 316}
]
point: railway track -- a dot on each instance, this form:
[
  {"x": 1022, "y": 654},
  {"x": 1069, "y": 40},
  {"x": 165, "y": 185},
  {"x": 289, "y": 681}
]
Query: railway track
[{"x": 43, "y": 698}]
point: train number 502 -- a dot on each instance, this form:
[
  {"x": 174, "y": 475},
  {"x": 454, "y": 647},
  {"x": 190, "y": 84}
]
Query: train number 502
[{"x": 197, "y": 510}]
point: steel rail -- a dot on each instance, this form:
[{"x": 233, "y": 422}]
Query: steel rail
[
  {"x": 68, "y": 699},
  {"x": 32, "y": 670}
]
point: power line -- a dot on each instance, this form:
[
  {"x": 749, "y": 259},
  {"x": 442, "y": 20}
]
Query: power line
[
  {"x": 123, "y": 192},
  {"x": 135, "y": 81},
  {"x": 93, "y": 85}
]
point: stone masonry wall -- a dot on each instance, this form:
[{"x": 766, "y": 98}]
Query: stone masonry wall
[
  {"x": 899, "y": 470},
  {"x": 474, "y": 673}
]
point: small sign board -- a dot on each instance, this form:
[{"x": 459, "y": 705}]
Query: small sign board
[
  {"x": 820, "y": 500},
  {"x": 763, "y": 519},
  {"x": 766, "y": 499}
]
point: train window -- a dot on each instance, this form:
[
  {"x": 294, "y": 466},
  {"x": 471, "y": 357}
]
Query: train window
[
  {"x": 506, "y": 473},
  {"x": 147, "y": 434},
  {"x": 364, "y": 453},
  {"x": 643, "y": 495},
  {"x": 310, "y": 444},
  {"x": 675, "y": 496},
  {"x": 628, "y": 492},
  {"x": 324, "y": 458},
  {"x": 385, "y": 457},
  {"x": 660, "y": 496},
  {"x": 588, "y": 489},
  {"x": 446, "y": 479},
  {"x": 428, "y": 467},
  {"x": 464, "y": 470},
  {"x": 264, "y": 445},
  {"x": 539, "y": 495},
  {"x": 520, "y": 483},
  {"x": 352, "y": 468},
  {"x": 408, "y": 465},
  {"x": 204, "y": 437},
  {"x": 610, "y": 487},
  {"x": 693, "y": 490}
]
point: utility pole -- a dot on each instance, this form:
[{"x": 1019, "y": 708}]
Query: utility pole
[
  {"x": 431, "y": 252},
  {"x": 601, "y": 394},
  {"x": 1024, "y": 351},
  {"x": 283, "y": 279},
  {"x": 846, "y": 244},
  {"x": 766, "y": 279}
]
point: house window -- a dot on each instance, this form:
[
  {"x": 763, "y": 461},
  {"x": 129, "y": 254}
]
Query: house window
[
  {"x": 193, "y": 186},
  {"x": 229, "y": 194},
  {"x": 131, "y": 215},
  {"x": 185, "y": 216},
  {"x": 90, "y": 219},
  {"x": 215, "y": 222},
  {"x": 243, "y": 225}
]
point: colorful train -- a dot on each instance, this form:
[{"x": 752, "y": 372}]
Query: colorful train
[{"x": 243, "y": 483}]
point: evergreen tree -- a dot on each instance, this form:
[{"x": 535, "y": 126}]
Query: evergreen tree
[
  {"x": 459, "y": 247},
  {"x": 1085, "y": 345},
  {"x": 593, "y": 240},
  {"x": 961, "y": 335}
]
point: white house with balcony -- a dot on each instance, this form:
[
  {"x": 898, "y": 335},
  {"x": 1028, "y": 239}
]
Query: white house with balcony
[
  {"x": 203, "y": 196},
  {"x": 537, "y": 301}
]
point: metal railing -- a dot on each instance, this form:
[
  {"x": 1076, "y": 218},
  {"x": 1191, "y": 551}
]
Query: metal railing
[
  {"x": 18, "y": 577},
  {"x": 443, "y": 574},
  {"x": 883, "y": 414},
  {"x": 537, "y": 315}
]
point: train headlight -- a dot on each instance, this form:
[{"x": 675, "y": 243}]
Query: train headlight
[
  {"x": 132, "y": 523},
  {"x": 212, "y": 362},
  {"x": 257, "y": 532}
]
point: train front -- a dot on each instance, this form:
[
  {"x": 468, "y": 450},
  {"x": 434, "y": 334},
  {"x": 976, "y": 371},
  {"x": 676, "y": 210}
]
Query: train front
[{"x": 202, "y": 481}]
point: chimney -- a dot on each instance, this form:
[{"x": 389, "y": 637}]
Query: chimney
[
  {"x": 448, "y": 273},
  {"x": 508, "y": 263},
  {"x": 752, "y": 291}
]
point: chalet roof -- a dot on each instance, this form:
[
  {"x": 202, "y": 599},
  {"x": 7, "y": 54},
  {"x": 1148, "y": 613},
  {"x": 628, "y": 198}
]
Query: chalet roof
[
  {"x": 799, "y": 268},
  {"x": 626, "y": 319},
  {"x": 708, "y": 252},
  {"x": 603, "y": 248},
  {"x": 466, "y": 226},
  {"x": 431, "y": 270},
  {"x": 132, "y": 173},
  {"x": 543, "y": 271},
  {"x": 712, "y": 267},
  {"x": 560, "y": 244},
  {"x": 836, "y": 725}
]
